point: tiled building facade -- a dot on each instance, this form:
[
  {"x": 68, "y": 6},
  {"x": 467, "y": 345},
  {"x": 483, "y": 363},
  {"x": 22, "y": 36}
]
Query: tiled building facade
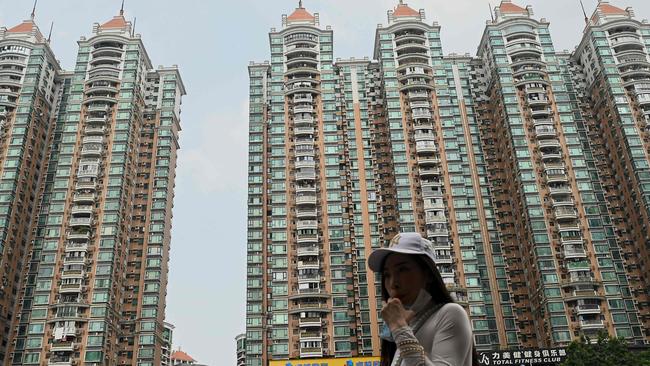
[
  {"x": 93, "y": 154},
  {"x": 510, "y": 162}
]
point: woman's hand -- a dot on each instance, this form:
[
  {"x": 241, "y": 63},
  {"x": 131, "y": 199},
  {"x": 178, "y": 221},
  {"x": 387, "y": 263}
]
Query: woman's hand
[{"x": 395, "y": 315}]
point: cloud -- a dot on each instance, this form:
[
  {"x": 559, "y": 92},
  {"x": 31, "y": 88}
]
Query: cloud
[{"x": 215, "y": 160}]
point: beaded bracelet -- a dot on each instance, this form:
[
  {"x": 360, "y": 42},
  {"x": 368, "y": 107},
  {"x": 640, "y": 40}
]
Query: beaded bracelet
[{"x": 407, "y": 341}]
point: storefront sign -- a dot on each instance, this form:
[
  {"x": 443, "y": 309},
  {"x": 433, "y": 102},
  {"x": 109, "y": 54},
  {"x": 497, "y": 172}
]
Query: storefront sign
[
  {"x": 354, "y": 361},
  {"x": 535, "y": 357}
]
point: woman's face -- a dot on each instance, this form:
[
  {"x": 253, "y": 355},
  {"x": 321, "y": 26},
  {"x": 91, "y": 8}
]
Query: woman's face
[{"x": 403, "y": 277}]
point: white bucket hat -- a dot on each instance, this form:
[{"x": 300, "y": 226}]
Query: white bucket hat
[{"x": 404, "y": 243}]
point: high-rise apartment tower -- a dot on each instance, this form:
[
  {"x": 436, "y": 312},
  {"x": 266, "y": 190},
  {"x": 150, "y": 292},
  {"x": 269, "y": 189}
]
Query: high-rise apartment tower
[
  {"x": 524, "y": 166},
  {"x": 105, "y": 136}
]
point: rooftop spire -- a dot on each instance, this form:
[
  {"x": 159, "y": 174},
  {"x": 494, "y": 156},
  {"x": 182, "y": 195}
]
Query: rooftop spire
[
  {"x": 49, "y": 36},
  {"x": 122, "y": 8},
  {"x": 584, "y": 12},
  {"x": 33, "y": 15},
  {"x": 300, "y": 4}
]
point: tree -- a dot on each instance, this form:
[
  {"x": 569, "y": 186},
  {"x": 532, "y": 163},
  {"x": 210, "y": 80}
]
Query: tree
[{"x": 607, "y": 351}]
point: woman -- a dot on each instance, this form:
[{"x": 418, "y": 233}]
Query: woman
[{"x": 423, "y": 325}]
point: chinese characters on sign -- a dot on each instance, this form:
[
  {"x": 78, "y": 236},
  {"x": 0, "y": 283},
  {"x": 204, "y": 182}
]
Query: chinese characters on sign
[{"x": 536, "y": 357}]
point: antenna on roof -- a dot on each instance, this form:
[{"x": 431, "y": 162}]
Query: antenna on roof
[
  {"x": 133, "y": 29},
  {"x": 490, "y": 9},
  {"x": 34, "y": 10},
  {"x": 122, "y": 8},
  {"x": 584, "y": 12},
  {"x": 49, "y": 35}
]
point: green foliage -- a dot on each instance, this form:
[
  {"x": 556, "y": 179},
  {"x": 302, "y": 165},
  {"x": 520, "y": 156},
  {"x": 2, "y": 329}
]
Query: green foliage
[{"x": 607, "y": 351}]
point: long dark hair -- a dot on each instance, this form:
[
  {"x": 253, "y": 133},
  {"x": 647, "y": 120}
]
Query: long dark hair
[{"x": 436, "y": 287}]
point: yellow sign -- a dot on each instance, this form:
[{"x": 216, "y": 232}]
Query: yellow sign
[{"x": 351, "y": 361}]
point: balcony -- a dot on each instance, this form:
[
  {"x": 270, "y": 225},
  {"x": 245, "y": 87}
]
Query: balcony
[
  {"x": 537, "y": 102},
  {"x": 548, "y": 123},
  {"x": 81, "y": 221},
  {"x": 73, "y": 273},
  {"x": 92, "y": 140},
  {"x": 301, "y": 213},
  {"x": 545, "y": 132},
  {"x": 310, "y": 322},
  {"x": 587, "y": 309},
  {"x": 62, "y": 347},
  {"x": 95, "y": 130},
  {"x": 303, "y": 109},
  {"x": 430, "y": 218},
  {"x": 311, "y": 352},
  {"x": 306, "y": 293},
  {"x": 309, "y": 190},
  {"x": 311, "y": 336},
  {"x": 306, "y": 199},
  {"x": 98, "y": 108},
  {"x": 422, "y": 115},
  {"x": 416, "y": 84},
  {"x": 423, "y": 136},
  {"x": 551, "y": 155},
  {"x": 307, "y": 239},
  {"x": 427, "y": 171},
  {"x": 303, "y": 99},
  {"x": 304, "y": 121},
  {"x": 91, "y": 150},
  {"x": 309, "y": 278},
  {"x": 418, "y": 95},
  {"x": 581, "y": 279},
  {"x": 559, "y": 190},
  {"x": 308, "y": 175},
  {"x": 540, "y": 112},
  {"x": 310, "y": 307},
  {"x": 573, "y": 252},
  {"x": 307, "y": 224},
  {"x": 627, "y": 39},
  {"x": 422, "y": 125},
  {"x": 428, "y": 160},
  {"x": 583, "y": 294},
  {"x": 548, "y": 143},
  {"x": 444, "y": 259},
  {"x": 556, "y": 177},
  {"x": 426, "y": 146},
  {"x": 61, "y": 361},
  {"x": 70, "y": 288},
  {"x": 76, "y": 247},
  {"x": 99, "y": 120},
  {"x": 79, "y": 236},
  {"x": 308, "y": 264},
  {"x": 301, "y": 151},
  {"x": 84, "y": 197},
  {"x": 303, "y": 131},
  {"x": 563, "y": 213},
  {"x": 82, "y": 209},
  {"x": 419, "y": 104},
  {"x": 64, "y": 332},
  {"x": 592, "y": 324},
  {"x": 308, "y": 250},
  {"x": 568, "y": 227}
]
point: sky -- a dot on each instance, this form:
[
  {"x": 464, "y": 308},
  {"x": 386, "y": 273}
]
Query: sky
[{"x": 212, "y": 42}]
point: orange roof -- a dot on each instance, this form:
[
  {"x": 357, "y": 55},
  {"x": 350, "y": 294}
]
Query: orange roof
[
  {"x": 182, "y": 356},
  {"x": 300, "y": 14},
  {"x": 115, "y": 23},
  {"x": 610, "y": 9},
  {"x": 403, "y": 10},
  {"x": 25, "y": 27},
  {"x": 508, "y": 7}
]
